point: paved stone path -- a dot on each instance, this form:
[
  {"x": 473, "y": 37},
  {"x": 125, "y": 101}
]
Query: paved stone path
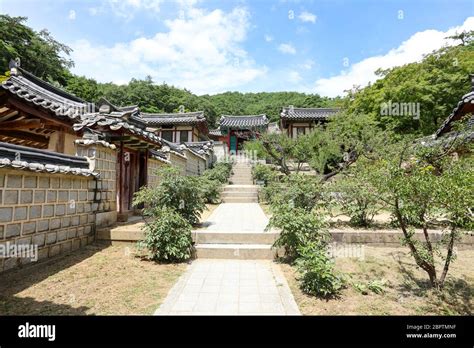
[
  {"x": 237, "y": 217},
  {"x": 230, "y": 287}
]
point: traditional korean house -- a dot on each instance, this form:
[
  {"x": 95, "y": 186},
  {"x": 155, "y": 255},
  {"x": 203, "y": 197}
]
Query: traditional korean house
[
  {"x": 122, "y": 128},
  {"x": 178, "y": 127},
  {"x": 298, "y": 121},
  {"x": 235, "y": 130},
  {"x": 36, "y": 114}
]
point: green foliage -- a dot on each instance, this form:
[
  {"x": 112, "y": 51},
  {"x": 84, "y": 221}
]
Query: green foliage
[
  {"x": 39, "y": 52},
  {"x": 220, "y": 172},
  {"x": 295, "y": 191},
  {"x": 377, "y": 286},
  {"x": 177, "y": 192},
  {"x": 316, "y": 270},
  {"x": 168, "y": 236},
  {"x": 437, "y": 83},
  {"x": 211, "y": 190},
  {"x": 255, "y": 147},
  {"x": 262, "y": 172},
  {"x": 425, "y": 189},
  {"x": 354, "y": 197},
  {"x": 297, "y": 227}
]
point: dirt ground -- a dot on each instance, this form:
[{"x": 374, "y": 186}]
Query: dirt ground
[
  {"x": 406, "y": 290},
  {"x": 96, "y": 280}
]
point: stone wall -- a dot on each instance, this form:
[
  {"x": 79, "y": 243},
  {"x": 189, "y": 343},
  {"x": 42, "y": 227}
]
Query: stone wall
[
  {"x": 153, "y": 166},
  {"x": 178, "y": 161},
  {"x": 53, "y": 211},
  {"x": 102, "y": 158},
  {"x": 195, "y": 165}
]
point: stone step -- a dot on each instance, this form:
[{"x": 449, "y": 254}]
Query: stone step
[
  {"x": 241, "y": 188},
  {"x": 239, "y": 194},
  {"x": 215, "y": 237},
  {"x": 240, "y": 199},
  {"x": 235, "y": 251},
  {"x": 241, "y": 182}
]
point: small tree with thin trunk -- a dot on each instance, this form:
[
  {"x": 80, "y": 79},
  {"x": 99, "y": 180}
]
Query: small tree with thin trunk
[{"x": 424, "y": 194}]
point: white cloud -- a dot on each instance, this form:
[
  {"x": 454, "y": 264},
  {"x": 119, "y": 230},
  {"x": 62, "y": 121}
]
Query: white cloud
[
  {"x": 201, "y": 52},
  {"x": 287, "y": 48},
  {"x": 307, "y": 17},
  {"x": 411, "y": 50},
  {"x": 72, "y": 15},
  {"x": 268, "y": 38},
  {"x": 308, "y": 64},
  {"x": 294, "y": 76}
]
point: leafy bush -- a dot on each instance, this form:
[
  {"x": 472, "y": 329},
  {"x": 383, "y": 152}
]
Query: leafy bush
[
  {"x": 220, "y": 172},
  {"x": 298, "y": 227},
  {"x": 168, "y": 237},
  {"x": 316, "y": 271},
  {"x": 255, "y": 147},
  {"x": 295, "y": 191},
  {"x": 175, "y": 191},
  {"x": 355, "y": 199},
  {"x": 262, "y": 172},
  {"x": 211, "y": 190}
]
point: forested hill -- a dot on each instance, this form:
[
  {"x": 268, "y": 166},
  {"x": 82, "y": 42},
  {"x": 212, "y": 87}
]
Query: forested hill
[{"x": 435, "y": 84}]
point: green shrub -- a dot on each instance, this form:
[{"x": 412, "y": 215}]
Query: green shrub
[
  {"x": 255, "y": 147},
  {"x": 262, "y": 172},
  {"x": 316, "y": 271},
  {"x": 168, "y": 237},
  {"x": 181, "y": 193},
  {"x": 211, "y": 190},
  {"x": 220, "y": 172},
  {"x": 297, "y": 191},
  {"x": 298, "y": 227},
  {"x": 355, "y": 199}
]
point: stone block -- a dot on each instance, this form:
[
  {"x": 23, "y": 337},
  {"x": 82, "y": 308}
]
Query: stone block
[
  {"x": 66, "y": 247},
  {"x": 35, "y": 212},
  {"x": 40, "y": 196},
  {"x": 6, "y": 214},
  {"x": 65, "y": 222},
  {"x": 30, "y": 182},
  {"x": 43, "y": 253},
  {"x": 63, "y": 196},
  {"x": 82, "y": 196},
  {"x": 76, "y": 244},
  {"x": 54, "y": 250},
  {"x": 42, "y": 225},
  {"x": 54, "y": 224},
  {"x": 43, "y": 182},
  {"x": 62, "y": 235},
  {"x": 48, "y": 210},
  {"x": 39, "y": 239},
  {"x": 75, "y": 220},
  {"x": 72, "y": 233},
  {"x": 21, "y": 213},
  {"x": 12, "y": 230},
  {"x": 52, "y": 196},
  {"x": 29, "y": 227},
  {"x": 14, "y": 181},
  {"x": 26, "y": 197},
  {"x": 60, "y": 209},
  {"x": 10, "y": 197},
  {"x": 54, "y": 182},
  {"x": 51, "y": 238},
  {"x": 66, "y": 183}
]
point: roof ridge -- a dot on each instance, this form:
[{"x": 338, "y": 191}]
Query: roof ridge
[{"x": 48, "y": 86}]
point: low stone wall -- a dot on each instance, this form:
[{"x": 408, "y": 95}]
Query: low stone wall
[
  {"x": 195, "y": 165},
  {"x": 178, "y": 161},
  {"x": 391, "y": 238},
  {"x": 153, "y": 166},
  {"x": 54, "y": 212}
]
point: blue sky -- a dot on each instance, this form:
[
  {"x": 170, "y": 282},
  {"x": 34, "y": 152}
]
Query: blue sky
[{"x": 212, "y": 46}]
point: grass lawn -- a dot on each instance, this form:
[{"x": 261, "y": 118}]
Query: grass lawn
[
  {"x": 407, "y": 291},
  {"x": 95, "y": 280}
]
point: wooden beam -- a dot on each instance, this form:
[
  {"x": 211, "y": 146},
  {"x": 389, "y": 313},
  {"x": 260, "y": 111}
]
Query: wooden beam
[
  {"x": 35, "y": 112},
  {"x": 21, "y": 124},
  {"x": 25, "y": 136}
]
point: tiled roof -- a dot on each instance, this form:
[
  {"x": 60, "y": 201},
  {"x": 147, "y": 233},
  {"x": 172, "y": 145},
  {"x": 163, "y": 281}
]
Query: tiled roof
[
  {"x": 160, "y": 156},
  {"x": 23, "y": 157},
  {"x": 307, "y": 114},
  {"x": 115, "y": 123},
  {"x": 243, "y": 121},
  {"x": 457, "y": 114},
  {"x": 200, "y": 147},
  {"x": 185, "y": 118},
  {"x": 38, "y": 92}
]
